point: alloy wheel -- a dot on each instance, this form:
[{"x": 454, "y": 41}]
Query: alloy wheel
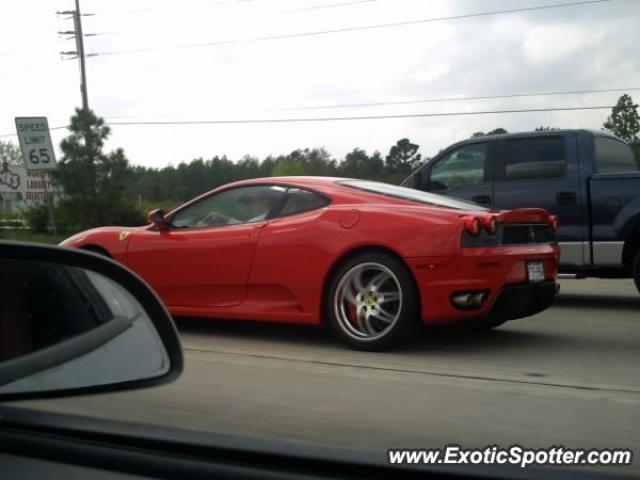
[{"x": 368, "y": 301}]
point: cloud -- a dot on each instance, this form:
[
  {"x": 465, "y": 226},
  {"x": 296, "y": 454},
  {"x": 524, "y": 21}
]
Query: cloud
[{"x": 588, "y": 47}]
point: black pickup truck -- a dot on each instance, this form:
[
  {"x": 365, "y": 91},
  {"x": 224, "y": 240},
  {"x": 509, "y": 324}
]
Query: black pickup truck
[{"x": 589, "y": 179}]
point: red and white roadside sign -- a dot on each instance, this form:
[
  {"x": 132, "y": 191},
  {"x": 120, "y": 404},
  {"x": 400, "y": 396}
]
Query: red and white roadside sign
[{"x": 24, "y": 181}]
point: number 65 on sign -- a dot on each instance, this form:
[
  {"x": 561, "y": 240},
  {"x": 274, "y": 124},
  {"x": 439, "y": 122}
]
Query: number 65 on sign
[{"x": 35, "y": 143}]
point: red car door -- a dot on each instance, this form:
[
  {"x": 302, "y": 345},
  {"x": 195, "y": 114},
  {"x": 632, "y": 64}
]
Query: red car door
[
  {"x": 204, "y": 259},
  {"x": 201, "y": 267}
]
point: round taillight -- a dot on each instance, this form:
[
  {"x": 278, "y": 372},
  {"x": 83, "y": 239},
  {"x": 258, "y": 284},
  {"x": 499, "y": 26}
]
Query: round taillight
[
  {"x": 553, "y": 220},
  {"x": 490, "y": 223},
  {"x": 472, "y": 226}
]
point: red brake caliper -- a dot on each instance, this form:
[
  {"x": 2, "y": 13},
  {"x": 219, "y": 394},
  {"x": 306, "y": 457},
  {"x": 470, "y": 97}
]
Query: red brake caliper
[{"x": 353, "y": 313}]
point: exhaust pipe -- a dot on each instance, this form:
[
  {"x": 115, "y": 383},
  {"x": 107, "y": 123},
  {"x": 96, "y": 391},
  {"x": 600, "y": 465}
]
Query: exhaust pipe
[{"x": 471, "y": 300}]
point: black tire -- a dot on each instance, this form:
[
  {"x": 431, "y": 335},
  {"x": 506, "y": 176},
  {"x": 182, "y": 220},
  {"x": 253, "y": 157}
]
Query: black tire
[
  {"x": 98, "y": 250},
  {"x": 406, "y": 310},
  {"x": 636, "y": 270}
]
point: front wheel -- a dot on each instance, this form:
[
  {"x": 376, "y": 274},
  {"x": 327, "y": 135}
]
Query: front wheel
[
  {"x": 372, "y": 302},
  {"x": 636, "y": 270}
]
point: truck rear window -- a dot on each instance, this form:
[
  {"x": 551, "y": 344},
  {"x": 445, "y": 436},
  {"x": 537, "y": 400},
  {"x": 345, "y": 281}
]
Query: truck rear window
[
  {"x": 534, "y": 158},
  {"x": 614, "y": 156}
]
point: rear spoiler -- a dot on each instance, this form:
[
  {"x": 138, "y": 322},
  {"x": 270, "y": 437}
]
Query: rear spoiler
[{"x": 524, "y": 215}]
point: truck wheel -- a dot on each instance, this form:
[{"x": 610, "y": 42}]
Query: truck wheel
[{"x": 636, "y": 270}]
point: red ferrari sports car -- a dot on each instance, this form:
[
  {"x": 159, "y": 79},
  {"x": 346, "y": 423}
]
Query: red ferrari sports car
[{"x": 370, "y": 259}]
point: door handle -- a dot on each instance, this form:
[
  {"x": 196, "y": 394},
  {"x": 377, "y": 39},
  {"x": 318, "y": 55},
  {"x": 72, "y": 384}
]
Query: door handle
[
  {"x": 483, "y": 199},
  {"x": 566, "y": 198}
]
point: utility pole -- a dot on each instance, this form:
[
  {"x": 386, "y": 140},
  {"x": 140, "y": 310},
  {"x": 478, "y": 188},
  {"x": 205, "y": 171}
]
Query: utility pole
[
  {"x": 80, "y": 46},
  {"x": 79, "y": 52}
]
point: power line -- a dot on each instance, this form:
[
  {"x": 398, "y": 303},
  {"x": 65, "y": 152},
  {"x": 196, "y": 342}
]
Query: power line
[
  {"x": 331, "y": 5},
  {"x": 5, "y": 135},
  {"x": 337, "y": 119},
  {"x": 145, "y": 10},
  {"x": 346, "y": 29},
  {"x": 452, "y": 99},
  {"x": 231, "y": 2},
  {"x": 303, "y": 9},
  {"x": 352, "y": 118},
  {"x": 293, "y": 10},
  {"x": 399, "y": 102}
]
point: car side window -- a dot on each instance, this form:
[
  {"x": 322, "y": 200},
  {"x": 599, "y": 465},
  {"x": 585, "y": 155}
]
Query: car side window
[
  {"x": 534, "y": 158},
  {"x": 299, "y": 201},
  {"x": 613, "y": 156},
  {"x": 464, "y": 166},
  {"x": 230, "y": 207}
]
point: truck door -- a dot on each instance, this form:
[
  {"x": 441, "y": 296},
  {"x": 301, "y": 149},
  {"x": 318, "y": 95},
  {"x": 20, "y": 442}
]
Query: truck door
[
  {"x": 614, "y": 197},
  {"x": 543, "y": 171},
  {"x": 464, "y": 172}
]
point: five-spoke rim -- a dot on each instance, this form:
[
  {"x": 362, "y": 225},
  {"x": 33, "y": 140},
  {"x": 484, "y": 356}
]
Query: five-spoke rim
[{"x": 368, "y": 301}]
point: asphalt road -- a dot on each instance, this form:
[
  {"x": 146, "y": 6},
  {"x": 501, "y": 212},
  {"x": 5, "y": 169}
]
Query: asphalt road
[{"x": 569, "y": 376}]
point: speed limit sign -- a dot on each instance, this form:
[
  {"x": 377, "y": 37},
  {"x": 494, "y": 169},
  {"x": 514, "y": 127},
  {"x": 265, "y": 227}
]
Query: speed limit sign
[{"x": 35, "y": 143}]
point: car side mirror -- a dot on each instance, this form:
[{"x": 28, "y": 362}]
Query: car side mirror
[
  {"x": 74, "y": 322},
  {"x": 157, "y": 219}
]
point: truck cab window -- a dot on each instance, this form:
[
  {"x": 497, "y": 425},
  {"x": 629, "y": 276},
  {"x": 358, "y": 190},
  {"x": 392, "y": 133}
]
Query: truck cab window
[
  {"x": 534, "y": 158},
  {"x": 614, "y": 156},
  {"x": 464, "y": 166}
]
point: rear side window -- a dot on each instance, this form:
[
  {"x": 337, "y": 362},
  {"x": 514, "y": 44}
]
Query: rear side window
[
  {"x": 298, "y": 201},
  {"x": 613, "y": 156},
  {"x": 534, "y": 158}
]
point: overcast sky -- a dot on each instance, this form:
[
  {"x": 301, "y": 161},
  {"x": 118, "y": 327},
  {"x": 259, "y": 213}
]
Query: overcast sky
[{"x": 573, "y": 48}]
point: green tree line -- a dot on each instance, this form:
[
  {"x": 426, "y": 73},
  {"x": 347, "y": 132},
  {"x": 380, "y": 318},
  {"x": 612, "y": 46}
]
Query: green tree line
[{"x": 186, "y": 180}]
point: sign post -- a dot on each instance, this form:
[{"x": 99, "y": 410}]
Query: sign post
[{"x": 37, "y": 152}]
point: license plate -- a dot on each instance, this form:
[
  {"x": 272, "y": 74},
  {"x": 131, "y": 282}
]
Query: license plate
[{"x": 535, "y": 271}]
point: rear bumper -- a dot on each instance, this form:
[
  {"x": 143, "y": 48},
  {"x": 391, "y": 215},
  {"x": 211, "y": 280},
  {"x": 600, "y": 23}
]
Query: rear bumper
[
  {"x": 522, "y": 300},
  {"x": 499, "y": 271}
]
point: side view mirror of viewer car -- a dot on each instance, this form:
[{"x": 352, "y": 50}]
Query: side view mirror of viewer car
[
  {"x": 156, "y": 217},
  {"x": 74, "y": 322}
]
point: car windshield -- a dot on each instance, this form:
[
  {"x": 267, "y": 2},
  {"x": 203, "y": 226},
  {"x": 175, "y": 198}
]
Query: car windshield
[{"x": 412, "y": 195}]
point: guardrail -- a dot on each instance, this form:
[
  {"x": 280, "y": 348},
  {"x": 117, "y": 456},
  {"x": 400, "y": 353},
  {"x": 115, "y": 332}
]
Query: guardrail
[{"x": 14, "y": 224}]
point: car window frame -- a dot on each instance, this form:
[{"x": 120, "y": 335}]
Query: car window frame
[
  {"x": 205, "y": 197},
  {"x": 487, "y": 177},
  {"x": 499, "y": 167},
  {"x": 273, "y": 214}
]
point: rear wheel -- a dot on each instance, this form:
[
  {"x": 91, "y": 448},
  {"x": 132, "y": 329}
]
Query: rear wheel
[
  {"x": 636, "y": 270},
  {"x": 372, "y": 302}
]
